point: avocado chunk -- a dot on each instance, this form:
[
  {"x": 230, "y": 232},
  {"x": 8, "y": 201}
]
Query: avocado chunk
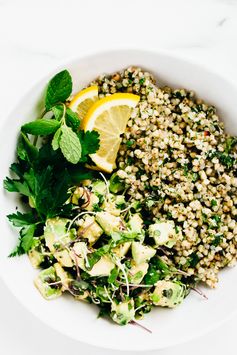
[
  {"x": 135, "y": 223},
  {"x": 36, "y": 254},
  {"x": 114, "y": 204},
  {"x": 90, "y": 230},
  {"x": 142, "y": 253},
  {"x": 163, "y": 233},
  {"x": 102, "y": 268},
  {"x": 93, "y": 200},
  {"x": 137, "y": 272},
  {"x": 56, "y": 237},
  {"x": 55, "y": 233},
  {"x": 64, "y": 276},
  {"x": 108, "y": 222},
  {"x": 77, "y": 194},
  {"x": 122, "y": 249},
  {"x": 123, "y": 312},
  {"x": 168, "y": 294},
  {"x": 79, "y": 254},
  {"x": 43, "y": 283},
  {"x": 88, "y": 198},
  {"x": 99, "y": 188}
]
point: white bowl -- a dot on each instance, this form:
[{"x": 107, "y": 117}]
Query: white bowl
[{"x": 78, "y": 320}]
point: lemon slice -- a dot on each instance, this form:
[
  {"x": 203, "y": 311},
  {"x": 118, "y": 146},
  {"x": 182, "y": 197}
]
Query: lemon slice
[
  {"x": 109, "y": 117},
  {"x": 83, "y": 100}
]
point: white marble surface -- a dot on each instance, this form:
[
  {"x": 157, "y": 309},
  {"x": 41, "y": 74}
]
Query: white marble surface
[{"x": 35, "y": 36}]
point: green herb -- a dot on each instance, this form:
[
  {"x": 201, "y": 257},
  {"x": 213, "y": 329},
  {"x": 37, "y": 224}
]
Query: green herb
[
  {"x": 70, "y": 145},
  {"x": 126, "y": 236},
  {"x": 224, "y": 158},
  {"x": 96, "y": 207},
  {"x": 129, "y": 143},
  {"x": 193, "y": 260},
  {"x": 195, "y": 177},
  {"x": 216, "y": 220},
  {"x": 186, "y": 169},
  {"x": 26, "y": 240},
  {"x": 21, "y": 219},
  {"x": 16, "y": 186},
  {"x": 41, "y": 127},
  {"x": 213, "y": 203},
  {"x": 94, "y": 257},
  {"x": 90, "y": 143},
  {"x": 59, "y": 89},
  {"x": 113, "y": 275},
  {"x": 230, "y": 144},
  {"x": 72, "y": 119},
  {"x": 217, "y": 240},
  {"x": 141, "y": 81},
  {"x": 152, "y": 276},
  {"x": 56, "y": 139},
  {"x": 26, "y": 150}
]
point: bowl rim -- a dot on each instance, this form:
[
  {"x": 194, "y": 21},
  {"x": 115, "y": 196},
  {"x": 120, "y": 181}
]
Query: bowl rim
[{"x": 62, "y": 65}]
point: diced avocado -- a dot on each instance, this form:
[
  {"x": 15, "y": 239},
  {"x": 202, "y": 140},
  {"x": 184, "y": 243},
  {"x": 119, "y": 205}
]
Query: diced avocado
[
  {"x": 77, "y": 194},
  {"x": 43, "y": 281},
  {"x": 102, "y": 268},
  {"x": 56, "y": 237},
  {"x": 79, "y": 289},
  {"x": 120, "y": 201},
  {"x": 89, "y": 199},
  {"x": 122, "y": 249},
  {"x": 123, "y": 312},
  {"x": 64, "y": 276},
  {"x": 36, "y": 254},
  {"x": 163, "y": 233},
  {"x": 168, "y": 294},
  {"x": 64, "y": 258},
  {"x": 116, "y": 184},
  {"x": 114, "y": 204},
  {"x": 108, "y": 222},
  {"x": 142, "y": 253},
  {"x": 90, "y": 230},
  {"x": 99, "y": 188},
  {"x": 83, "y": 296},
  {"x": 137, "y": 272},
  {"x": 55, "y": 233},
  {"x": 135, "y": 223},
  {"x": 79, "y": 254},
  {"x": 94, "y": 200}
]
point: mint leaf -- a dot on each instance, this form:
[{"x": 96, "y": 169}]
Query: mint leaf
[
  {"x": 70, "y": 145},
  {"x": 90, "y": 143},
  {"x": 58, "y": 112},
  {"x": 21, "y": 219},
  {"x": 59, "y": 89},
  {"x": 41, "y": 127},
  {"x": 72, "y": 119},
  {"x": 56, "y": 139}
]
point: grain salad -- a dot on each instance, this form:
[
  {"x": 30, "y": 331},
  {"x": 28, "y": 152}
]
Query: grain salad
[
  {"x": 180, "y": 165},
  {"x": 128, "y": 192}
]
